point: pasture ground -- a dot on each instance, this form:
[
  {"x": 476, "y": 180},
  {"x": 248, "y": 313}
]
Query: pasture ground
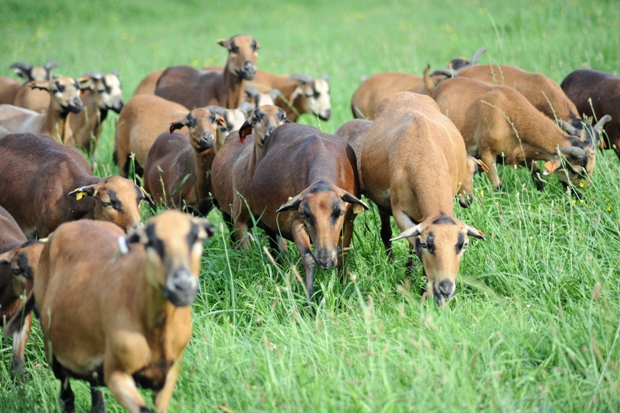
[{"x": 535, "y": 323}]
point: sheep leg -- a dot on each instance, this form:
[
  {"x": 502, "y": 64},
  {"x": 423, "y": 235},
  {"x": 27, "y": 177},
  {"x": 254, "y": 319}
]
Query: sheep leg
[
  {"x": 20, "y": 338},
  {"x": 345, "y": 242},
  {"x": 124, "y": 390},
  {"x": 536, "y": 175},
  {"x": 66, "y": 399},
  {"x": 386, "y": 232},
  {"x": 162, "y": 398},
  {"x": 489, "y": 159},
  {"x": 97, "y": 404},
  {"x": 302, "y": 241},
  {"x": 404, "y": 222}
]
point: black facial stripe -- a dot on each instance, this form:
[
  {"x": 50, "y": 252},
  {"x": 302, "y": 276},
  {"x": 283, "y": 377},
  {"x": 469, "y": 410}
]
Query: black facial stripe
[
  {"x": 459, "y": 244},
  {"x": 191, "y": 236},
  {"x": 154, "y": 241},
  {"x": 22, "y": 263},
  {"x": 61, "y": 88},
  {"x": 309, "y": 215},
  {"x": 430, "y": 243},
  {"x": 191, "y": 121},
  {"x": 335, "y": 211},
  {"x": 116, "y": 204},
  {"x": 444, "y": 219},
  {"x": 108, "y": 89}
]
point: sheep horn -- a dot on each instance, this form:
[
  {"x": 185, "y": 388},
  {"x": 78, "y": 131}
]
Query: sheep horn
[
  {"x": 251, "y": 91},
  {"x": 325, "y": 77},
  {"x": 51, "y": 64},
  {"x": 245, "y": 107},
  {"x": 94, "y": 75},
  {"x": 275, "y": 93},
  {"x": 570, "y": 129},
  {"x": 573, "y": 151},
  {"x": 115, "y": 72},
  {"x": 476, "y": 56},
  {"x": 21, "y": 65},
  {"x": 601, "y": 122},
  {"x": 444, "y": 72},
  {"x": 299, "y": 78}
]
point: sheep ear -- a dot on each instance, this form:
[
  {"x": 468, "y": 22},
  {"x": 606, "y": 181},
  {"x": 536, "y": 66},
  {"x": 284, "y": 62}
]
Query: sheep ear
[
  {"x": 219, "y": 120},
  {"x": 293, "y": 203},
  {"x": 207, "y": 229},
  {"x": 473, "y": 232},
  {"x": 408, "y": 233},
  {"x": 551, "y": 166},
  {"x": 40, "y": 84},
  {"x": 245, "y": 130},
  {"x": 178, "y": 124},
  {"x": 224, "y": 43},
  {"x": 482, "y": 165},
  {"x": 83, "y": 191},
  {"x": 358, "y": 205}
]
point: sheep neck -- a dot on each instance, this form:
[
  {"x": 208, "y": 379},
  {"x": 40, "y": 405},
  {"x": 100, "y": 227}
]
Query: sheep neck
[{"x": 231, "y": 90}]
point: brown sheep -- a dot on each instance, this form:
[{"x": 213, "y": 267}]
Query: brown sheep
[
  {"x": 597, "y": 94},
  {"x": 178, "y": 168},
  {"x": 66, "y": 99},
  {"x": 414, "y": 163},
  {"x": 103, "y": 94},
  {"x": 18, "y": 260},
  {"x": 9, "y": 87},
  {"x": 235, "y": 163},
  {"x": 373, "y": 90},
  {"x": 134, "y": 317},
  {"x": 195, "y": 88},
  {"x": 305, "y": 189},
  {"x": 38, "y": 181},
  {"x": 498, "y": 120}
]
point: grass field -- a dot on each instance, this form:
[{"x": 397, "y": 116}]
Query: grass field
[{"x": 535, "y": 323}]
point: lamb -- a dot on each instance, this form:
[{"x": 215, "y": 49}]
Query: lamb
[
  {"x": 18, "y": 261},
  {"x": 373, "y": 90},
  {"x": 305, "y": 189},
  {"x": 235, "y": 163},
  {"x": 9, "y": 87},
  {"x": 44, "y": 183},
  {"x": 195, "y": 88},
  {"x": 66, "y": 99},
  {"x": 414, "y": 163},
  {"x": 173, "y": 157},
  {"x": 134, "y": 317},
  {"x": 597, "y": 94},
  {"x": 103, "y": 94},
  {"x": 498, "y": 120}
]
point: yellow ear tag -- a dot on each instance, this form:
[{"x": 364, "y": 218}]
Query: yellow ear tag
[
  {"x": 357, "y": 208},
  {"x": 80, "y": 195},
  {"x": 43, "y": 239}
]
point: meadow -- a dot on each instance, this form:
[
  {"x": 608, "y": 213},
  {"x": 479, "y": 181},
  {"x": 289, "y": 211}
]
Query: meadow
[{"x": 535, "y": 323}]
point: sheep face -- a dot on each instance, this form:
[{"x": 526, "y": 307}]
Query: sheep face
[
  {"x": 117, "y": 200},
  {"x": 22, "y": 262},
  {"x": 65, "y": 92},
  {"x": 110, "y": 92},
  {"x": 315, "y": 97},
  {"x": 202, "y": 124},
  {"x": 242, "y": 54},
  {"x": 322, "y": 208},
  {"x": 440, "y": 242},
  {"x": 262, "y": 123},
  {"x": 173, "y": 242}
]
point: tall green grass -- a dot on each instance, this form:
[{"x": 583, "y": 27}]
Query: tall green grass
[{"x": 536, "y": 321}]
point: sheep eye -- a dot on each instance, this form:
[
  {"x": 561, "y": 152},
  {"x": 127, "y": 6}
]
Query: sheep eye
[
  {"x": 16, "y": 271},
  {"x": 424, "y": 245},
  {"x": 106, "y": 204}
]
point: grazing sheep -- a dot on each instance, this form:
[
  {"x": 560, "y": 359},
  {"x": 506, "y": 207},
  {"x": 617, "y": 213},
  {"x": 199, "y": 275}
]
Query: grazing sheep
[
  {"x": 38, "y": 181},
  {"x": 134, "y": 316},
  {"x": 305, "y": 189},
  {"x": 18, "y": 259},
  {"x": 373, "y": 90},
  {"x": 104, "y": 93},
  {"x": 234, "y": 166},
  {"x": 414, "y": 163},
  {"x": 178, "y": 168},
  {"x": 9, "y": 87},
  {"x": 196, "y": 88},
  {"x": 499, "y": 121},
  {"x": 66, "y": 98},
  {"x": 597, "y": 94}
]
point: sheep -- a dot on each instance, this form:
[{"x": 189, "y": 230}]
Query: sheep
[
  {"x": 498, "y": 120},
  {"x": 66, "y": 99},
  {"x": 595, "y": 94},
  {"x": 16, "y": 278},
  {"x": 145, "y": 117},
  {"x": 414, "y": 163},
  {"x": 235, "y": 163},
  {"x": 305, "y": 189},
  {"x": 132, "y": 295},
  {"x": 543, "y": 93},
  {"x": 9, "y": 87},
  {"x": 354, "y": 132},
  {"x": 257, "y": 99},
  {"x": 374, "y": 89},
  {"x": 44, "y": 183},
  {"x": 174, "y": 156},
  {"x": 195, "y": 88},
  {"x": 103, "y": 94}
]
